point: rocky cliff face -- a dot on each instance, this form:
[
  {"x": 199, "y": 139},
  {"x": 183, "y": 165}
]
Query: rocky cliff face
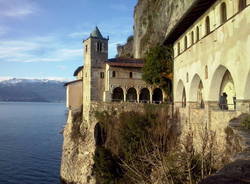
[
  {"x": 153, "y": 20},
  {"x": 126, "y": 50}
]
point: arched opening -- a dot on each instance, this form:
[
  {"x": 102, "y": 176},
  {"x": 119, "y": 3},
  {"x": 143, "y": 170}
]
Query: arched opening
[
  {"x": 144, "y": 96},
  {"x": 196, "y": 91},
  {"x": 207, "y": 25},
  {"x": 197, "y": 34},
  {"x": 131, "y": 95},
  {"x": 227, "y": 93},
  {"x": 222, "y": 89},
  {"x": 242, "y": 4},
  {"x": 117, "y": 95},
  {"x": 223, "y": 12},
  {"x": 157, "y": 96},
  {"x": 100, "y": 134},
  {"x": 185, "y": 42},
  {"x": 178, "y": 92}
]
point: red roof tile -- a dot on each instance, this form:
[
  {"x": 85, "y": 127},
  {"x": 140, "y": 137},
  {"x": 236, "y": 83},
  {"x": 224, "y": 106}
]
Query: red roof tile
[{"x": 126, "y": 62}]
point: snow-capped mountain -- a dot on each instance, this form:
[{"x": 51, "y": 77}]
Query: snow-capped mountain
[{"x": 32, "y": 90}]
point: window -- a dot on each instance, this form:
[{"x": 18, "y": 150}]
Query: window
[
  {"x": 187, "y": 78},
  {"x": 207, "y": 25},
  {"x": 197, "y": 34},
  {"x": 206, "y": 72},
  {"x": 102, "y": 75},
  {"x": 223, "y": 12},
  {"x": 114, "y": 74},
  {"x": 192, "y": 37},
  {"x": 99, "y": 47},
  {"x": 131, "y": 75},
  {"x": 242, "y": 4},
  {"x": 179, "y": 48},
  {"x": 86, "y": 48},
  {"x": 185, "y": 42}
]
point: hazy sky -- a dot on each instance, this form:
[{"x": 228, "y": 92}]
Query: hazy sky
[{"x": 43, "y": 38}]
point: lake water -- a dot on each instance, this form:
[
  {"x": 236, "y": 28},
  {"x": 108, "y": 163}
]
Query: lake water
[{"x": 30, "y": 142}]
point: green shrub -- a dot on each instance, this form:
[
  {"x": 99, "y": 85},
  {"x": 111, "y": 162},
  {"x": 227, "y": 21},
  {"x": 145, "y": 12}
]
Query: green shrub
[
  {"x": 246, "y": 122},
  {"x": 158, "y": 64}
]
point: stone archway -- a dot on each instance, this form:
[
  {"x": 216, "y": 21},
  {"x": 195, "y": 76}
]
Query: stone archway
[
  {"x": 179, "y": 91},
  {"x": 157, "y": 96},
  {"x": 227, "y": 87},
  {"x": 196, "y": 91},
  {"x": 144, "y": 95},
  {"x": 222, "y": 83},
  {"x": 100, "y": 134},
  {"x": 131, "y": 95},
  {"x": 118, "y": 95}
]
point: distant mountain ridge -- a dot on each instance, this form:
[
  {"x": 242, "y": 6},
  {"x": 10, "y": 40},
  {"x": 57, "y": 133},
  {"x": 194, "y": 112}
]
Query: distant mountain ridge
[{"x": 32, "y": 90}]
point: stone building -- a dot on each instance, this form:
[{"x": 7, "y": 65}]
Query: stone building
[
  {"x": 211, "y": 56},
  {"x": 74, "y": 91},
  {"x": 211, "y": 65},
  {"x": 109, "y": 80}
]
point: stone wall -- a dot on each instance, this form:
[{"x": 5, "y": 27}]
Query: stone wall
[{"x": 213, "y": 122}]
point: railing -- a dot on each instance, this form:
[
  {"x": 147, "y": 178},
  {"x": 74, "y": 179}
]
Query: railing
[
  {"x": 135, "y": 101},
  {"x": 225, "y": 107}
]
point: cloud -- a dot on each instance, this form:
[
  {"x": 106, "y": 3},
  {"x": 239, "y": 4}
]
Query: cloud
[
  {"x": 17, "y": 8},
  {"x": 37, "y": 49}
]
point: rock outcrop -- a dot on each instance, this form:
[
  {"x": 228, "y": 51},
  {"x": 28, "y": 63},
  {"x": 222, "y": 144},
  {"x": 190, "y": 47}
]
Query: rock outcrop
[
  {"x": 126, "y": 50},
  {"x": 153, "y": 20}
]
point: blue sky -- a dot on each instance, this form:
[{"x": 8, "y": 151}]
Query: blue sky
[{"x": 43, "y": 38}]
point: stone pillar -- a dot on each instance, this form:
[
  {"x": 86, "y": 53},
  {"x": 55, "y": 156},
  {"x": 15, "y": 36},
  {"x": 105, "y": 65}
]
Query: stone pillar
[
  {"x": 151, "y": 95},
  {"x": 125, "y": 94},
  {"x": 138, "y": 94},
  {"x": 163, "y": 95}
]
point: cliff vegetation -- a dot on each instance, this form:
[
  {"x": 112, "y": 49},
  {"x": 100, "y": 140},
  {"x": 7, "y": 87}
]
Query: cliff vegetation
[{"x": 145, "y": 147}]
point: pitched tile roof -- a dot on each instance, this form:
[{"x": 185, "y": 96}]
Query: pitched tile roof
[{"x": 125, "y": 62}]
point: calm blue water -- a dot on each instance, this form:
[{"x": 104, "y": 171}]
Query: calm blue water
[{"x": 30, "y": 143}]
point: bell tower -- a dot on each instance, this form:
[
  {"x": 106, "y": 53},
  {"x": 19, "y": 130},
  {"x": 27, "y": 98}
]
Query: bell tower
[{"x": 95, "y": 49}]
